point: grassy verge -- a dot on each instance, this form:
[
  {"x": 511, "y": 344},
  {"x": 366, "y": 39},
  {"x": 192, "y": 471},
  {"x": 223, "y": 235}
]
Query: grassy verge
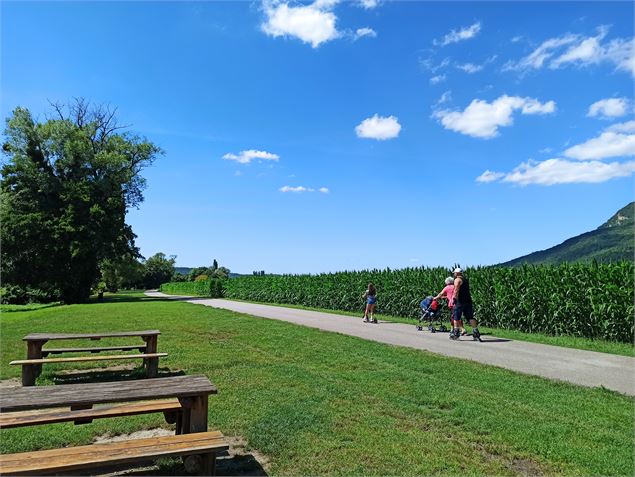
[
  {"x": 601, "y": 346},
  {"x": 320, "y": 403}
]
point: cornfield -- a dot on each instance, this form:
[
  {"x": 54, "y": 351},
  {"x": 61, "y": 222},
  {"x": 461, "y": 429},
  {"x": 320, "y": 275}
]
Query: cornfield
[{"x": 586, "y": 300}]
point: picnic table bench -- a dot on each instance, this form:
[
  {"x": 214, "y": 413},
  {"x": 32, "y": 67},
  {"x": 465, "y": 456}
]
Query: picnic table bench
[
  {"x": 36, "y": 355},
  {"x": 182, "y": 399}
]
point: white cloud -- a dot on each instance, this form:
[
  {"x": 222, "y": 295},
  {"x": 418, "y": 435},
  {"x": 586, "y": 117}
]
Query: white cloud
[
  {"x": 463, "y": 34},
  {"x": 627, "y": 127},
  {"x": 429, "y": 64},
  {"x": 561, "y": 171},
  {"x": 378, "y": 127},
  {"x": 482, "y": 119},
  {"x": 607, "y": 144},
  {"x": 546, "y": 150},
  {"x": 579, "y": 50},
  {"x": 516, "y": 39},
  {"x": 245, "y": 157},
  {"x": 368, "y": 4},
  {"x": 297, "y": 189},
  {"x": 537, "y": 58},
  {"x": 470, "y": 67},
  {"x": 489, "y": 176},
  {"x": 621, "y": 52},
  {"x": 300, "y": 189},
  {"x": 445, "y": 97},
  {"x": 362, "y": 32},
  {"x": 313, "y": 24},
  {"x": 608, "y": 108},
  {"x": 586, "y": 50},
  {"x": 437, "y": 79}
]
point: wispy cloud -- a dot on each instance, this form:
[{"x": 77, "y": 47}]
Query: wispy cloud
[
  {"x": 470, "y": 67},
  {"x": 362, "y": 32},
  {"x": 445, "y": 97},
  {"x": 369, "y": 4},
  {"x": 245, "y": 157},
  {"x": 490, "y": 176},
  {"x": 301, "y": 189},
  {"x": 378, "y": 127},
  {"x": 609, "y": 108},
  {"x": 578, "y": 50},
  {"x": 455, "y": 36},
  {"x": 437, "y": 79},
  {"x": 482, "y": 119}
]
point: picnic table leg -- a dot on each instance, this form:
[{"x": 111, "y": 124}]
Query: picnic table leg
[
  {"x": 31, "y": 371},
  {"x": 29, "y": 374},
  {"x": 194, "y": 416},
  {"x": 151, "y": 364},
  {"x": 194, "y": 419}
]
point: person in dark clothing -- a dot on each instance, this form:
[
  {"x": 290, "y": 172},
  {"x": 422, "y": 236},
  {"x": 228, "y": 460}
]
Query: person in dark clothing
[{"x": 463, "y": 306}]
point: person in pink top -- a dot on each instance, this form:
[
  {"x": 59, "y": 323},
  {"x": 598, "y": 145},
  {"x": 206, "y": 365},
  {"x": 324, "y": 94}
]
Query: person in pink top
[{"x": 448, "y": 294}]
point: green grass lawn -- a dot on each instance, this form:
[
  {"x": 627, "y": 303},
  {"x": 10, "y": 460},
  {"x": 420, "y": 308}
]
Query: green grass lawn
[
  {"x": 318, "y": 403},
  {"x": 601, "y": 346}
]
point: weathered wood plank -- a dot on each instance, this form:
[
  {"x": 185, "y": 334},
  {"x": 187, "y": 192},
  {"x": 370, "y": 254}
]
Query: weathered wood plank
[
  {"x": 51, "y": 416},
  {"x": 74, "y": 458},
  {"x": 47, "y": 351},
  {"x": 88, "y": 358},
  {"x": 72, "y": 336},
  {"x": 66, "y": 395}
]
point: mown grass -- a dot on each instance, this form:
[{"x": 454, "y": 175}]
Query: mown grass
[
  {"x": 319, "y": 403},
  {"x": 601, "y": 346}
]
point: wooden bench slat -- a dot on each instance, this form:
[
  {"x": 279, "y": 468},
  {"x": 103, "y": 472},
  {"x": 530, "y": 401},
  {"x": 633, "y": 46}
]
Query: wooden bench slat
[
  {"x": 88, "y": 358},
  {"x": 47, "y": 351},
  {"x": 30, "y": 397},
  {"x": 72, "y": 458},
  {"x": 51, "y": 416},
  {"x": 72, "y": 336}
]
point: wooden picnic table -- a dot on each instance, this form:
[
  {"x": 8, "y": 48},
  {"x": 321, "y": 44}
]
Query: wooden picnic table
[
  {"x": 35, "y": 351},
  {"x": 191, "y": 391}
]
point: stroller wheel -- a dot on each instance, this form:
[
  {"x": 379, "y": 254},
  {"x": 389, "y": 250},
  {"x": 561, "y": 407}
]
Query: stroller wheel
[
  {"x": 443, "y": 328},
  {"x": 419, "y": 328},
  {"x": 432, "y": 330}
]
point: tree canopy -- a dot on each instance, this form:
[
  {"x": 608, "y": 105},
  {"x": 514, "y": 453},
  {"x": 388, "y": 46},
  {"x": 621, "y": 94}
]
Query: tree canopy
[{"x": 67, "y": 185}]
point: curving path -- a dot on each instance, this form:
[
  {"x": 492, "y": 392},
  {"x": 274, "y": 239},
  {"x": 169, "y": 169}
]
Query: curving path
[{"x": 586, "y": 368}]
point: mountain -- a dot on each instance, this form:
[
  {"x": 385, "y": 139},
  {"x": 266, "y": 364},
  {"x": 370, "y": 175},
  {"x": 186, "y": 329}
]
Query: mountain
[{"x": 612, "y": 241}]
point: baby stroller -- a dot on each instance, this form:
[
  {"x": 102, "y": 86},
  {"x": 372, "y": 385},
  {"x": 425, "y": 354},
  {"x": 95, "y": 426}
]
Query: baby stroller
[{"x": 431, "y": 313}]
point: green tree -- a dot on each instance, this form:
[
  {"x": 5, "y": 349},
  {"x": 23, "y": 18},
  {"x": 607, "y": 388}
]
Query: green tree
[
  {"x": 67, "y": 185},
  {"x": 158, "y": 269},
  {"x": 124, "y": 272}
]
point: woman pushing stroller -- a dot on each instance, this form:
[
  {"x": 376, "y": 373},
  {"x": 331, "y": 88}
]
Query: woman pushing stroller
[{"x": 448, "y": 294}]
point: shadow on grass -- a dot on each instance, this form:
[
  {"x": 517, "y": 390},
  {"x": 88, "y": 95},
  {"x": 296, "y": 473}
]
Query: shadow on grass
[
  {"x": 34, "y": 307},
  {"x": 237, "y": 465},
  {"x": 93, "y": 376}
]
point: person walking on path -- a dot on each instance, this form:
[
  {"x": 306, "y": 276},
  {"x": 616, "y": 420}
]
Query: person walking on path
[
  {"x": 448, "y": 294},
  {"x": 370, "y": 295},
  {"x": 463, "y": 306}
]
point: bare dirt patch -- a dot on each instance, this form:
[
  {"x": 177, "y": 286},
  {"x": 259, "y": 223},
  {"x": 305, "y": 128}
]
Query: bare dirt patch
[
  {"x": 10, "y": 383},
  {"x": 238, "y": 461}
]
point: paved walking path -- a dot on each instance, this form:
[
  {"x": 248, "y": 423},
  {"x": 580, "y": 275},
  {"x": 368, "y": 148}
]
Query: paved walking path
[{"x": 586, "y": 368}]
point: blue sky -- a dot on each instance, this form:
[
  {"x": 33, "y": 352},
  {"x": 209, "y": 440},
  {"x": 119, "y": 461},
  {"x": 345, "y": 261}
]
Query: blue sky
[{"x": 323, "y": 136}]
